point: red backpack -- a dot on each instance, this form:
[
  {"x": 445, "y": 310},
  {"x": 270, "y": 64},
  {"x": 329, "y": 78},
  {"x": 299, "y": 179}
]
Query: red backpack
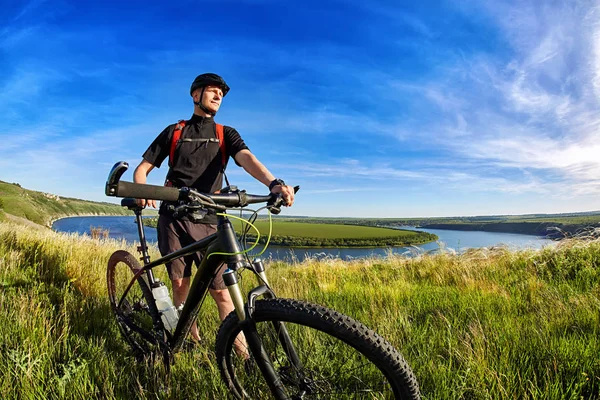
[{"x": 177, "y": 134}]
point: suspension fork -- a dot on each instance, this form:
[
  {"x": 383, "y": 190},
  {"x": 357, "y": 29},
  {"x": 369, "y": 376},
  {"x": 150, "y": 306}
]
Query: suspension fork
[
  {"x": 231, "y": 245},
  {"x": 245, "y": 314},
  {"x": 252, "y": 337},
  {"x": 282, "y": 332}
]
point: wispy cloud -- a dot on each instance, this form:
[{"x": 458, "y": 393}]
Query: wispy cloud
[
  {"x": 28, "y": 8},
  {"x": 533, "y": 111}
]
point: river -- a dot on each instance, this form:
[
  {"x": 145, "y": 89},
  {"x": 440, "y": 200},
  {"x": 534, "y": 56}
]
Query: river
[{"x": 125, "y": 228}]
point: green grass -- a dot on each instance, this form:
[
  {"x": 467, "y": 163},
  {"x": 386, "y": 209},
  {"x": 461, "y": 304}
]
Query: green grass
[
  {"x": 487, "y": 324},
  {"x": 329, "y": 231}
]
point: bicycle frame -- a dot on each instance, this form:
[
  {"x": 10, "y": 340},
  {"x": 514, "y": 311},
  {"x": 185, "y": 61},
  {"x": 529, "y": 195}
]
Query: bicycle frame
[{"x": 224, "y": 241}]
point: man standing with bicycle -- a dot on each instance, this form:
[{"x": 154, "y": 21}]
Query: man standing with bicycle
[{"x": 198, "y": 150}]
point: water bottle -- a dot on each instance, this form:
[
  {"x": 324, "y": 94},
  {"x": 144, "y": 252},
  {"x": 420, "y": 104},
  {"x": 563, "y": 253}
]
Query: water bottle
[{"x": 168, "y": 312}]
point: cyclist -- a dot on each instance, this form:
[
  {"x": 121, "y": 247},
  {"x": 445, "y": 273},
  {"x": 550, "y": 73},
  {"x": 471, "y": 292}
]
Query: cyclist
[{"x": 196, "y": 161}]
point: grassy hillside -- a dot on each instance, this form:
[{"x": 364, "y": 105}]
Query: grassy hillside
[
  {"x": 43, "y": 208},
  {"x": 481, "y": 325}
]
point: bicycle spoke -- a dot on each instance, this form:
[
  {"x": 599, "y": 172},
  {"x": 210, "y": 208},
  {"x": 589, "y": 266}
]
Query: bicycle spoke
[
  {"x": 330, "y": 367},
  {"x": 132, "y": 307},
  {"x": 316, "y": 353}
]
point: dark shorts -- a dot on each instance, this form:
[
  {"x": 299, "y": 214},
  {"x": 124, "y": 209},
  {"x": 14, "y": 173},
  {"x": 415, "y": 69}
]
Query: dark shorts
[{"x": 174, "y": 234}]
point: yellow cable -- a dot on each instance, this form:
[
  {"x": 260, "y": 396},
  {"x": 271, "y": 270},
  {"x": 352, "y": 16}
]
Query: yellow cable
[
  {"x": 268, "y": 237},
  {"x": 243, "y": 251}
]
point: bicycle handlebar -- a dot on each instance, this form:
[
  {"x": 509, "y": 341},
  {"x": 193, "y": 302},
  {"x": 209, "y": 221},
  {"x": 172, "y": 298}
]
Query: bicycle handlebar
[
  {"x": 142, "y": 191},
  {"x": 117, "y": 188}
]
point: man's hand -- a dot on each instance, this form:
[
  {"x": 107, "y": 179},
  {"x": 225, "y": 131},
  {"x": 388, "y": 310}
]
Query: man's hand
[
  {"x": 287, "y": 192},
  {"x": 139, "y": 176},
  {"x": 145, "y": 203}
]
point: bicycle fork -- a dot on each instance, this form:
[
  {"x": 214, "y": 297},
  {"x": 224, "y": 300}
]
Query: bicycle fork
[{"x": 244, "y": 313}]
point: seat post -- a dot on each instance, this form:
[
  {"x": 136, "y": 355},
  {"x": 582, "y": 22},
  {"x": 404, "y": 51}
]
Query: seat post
[{"x": 143, "y": 247}]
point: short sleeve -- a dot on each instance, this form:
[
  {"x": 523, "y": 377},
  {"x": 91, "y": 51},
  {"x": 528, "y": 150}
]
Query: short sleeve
[
  {"x": 233, "y": 142},
  {"x": 159, "y": 149}
]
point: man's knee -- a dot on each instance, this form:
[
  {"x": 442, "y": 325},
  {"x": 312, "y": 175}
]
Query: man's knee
[
  {"x": 220, "y": 295},
  {"x": 180, "y": 283}
]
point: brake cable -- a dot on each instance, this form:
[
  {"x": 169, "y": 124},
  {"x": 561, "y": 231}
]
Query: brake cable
[
  {"x": 243, "y": 220},
  {"x": 245, "y": 250},
  {"x": 269, "y": 235}
]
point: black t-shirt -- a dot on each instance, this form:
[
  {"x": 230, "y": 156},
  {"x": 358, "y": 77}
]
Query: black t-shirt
[{"x": 198, "y": 163}]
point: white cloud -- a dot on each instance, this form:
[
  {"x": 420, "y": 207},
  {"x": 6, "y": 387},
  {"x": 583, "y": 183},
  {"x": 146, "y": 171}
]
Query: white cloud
[{"x": 532, "y": 112}]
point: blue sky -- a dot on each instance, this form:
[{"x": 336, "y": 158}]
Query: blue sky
[{"x": 378, "y": 108}]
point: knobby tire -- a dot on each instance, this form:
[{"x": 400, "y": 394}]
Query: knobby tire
[{"x": 341, "y": 358}]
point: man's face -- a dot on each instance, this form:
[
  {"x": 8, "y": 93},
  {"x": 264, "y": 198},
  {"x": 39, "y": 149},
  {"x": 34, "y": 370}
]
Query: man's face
[{"x": 211, "y": 99}]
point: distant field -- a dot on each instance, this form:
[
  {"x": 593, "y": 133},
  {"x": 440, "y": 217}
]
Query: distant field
[
  {"x": 564, "y": 219},
  {"x": 307, "y": 234},
  {"x": 327, "y": 231},
  {"x": 532, "y": 224}
]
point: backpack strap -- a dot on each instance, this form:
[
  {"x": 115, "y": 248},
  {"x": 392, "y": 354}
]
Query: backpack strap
[
  {"x": 176, "y": 135},
  {"x": 221, "y": 137}
]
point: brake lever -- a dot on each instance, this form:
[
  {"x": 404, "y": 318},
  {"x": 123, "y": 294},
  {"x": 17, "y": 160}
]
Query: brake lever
[
  {"x": 274, "y": 205},
  {"x": 178, "y": 211},
  {"x": 203, "y": 201}
]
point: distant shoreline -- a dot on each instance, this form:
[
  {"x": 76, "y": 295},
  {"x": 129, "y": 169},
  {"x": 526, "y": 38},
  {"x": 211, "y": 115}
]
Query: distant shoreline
[
  {"x": 53, "y": 220},
  {"x": 521, "y": 228},
  {"x": 91, "y": 215},
  {"x": 537, "y": 229}
]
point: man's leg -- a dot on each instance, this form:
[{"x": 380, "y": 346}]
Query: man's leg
[
  {"x": 225, "y": 306},
  {"x": 170, "y": 233},
  {"x": 223, "y": 300},
  {"x": 181, "y": 288}
]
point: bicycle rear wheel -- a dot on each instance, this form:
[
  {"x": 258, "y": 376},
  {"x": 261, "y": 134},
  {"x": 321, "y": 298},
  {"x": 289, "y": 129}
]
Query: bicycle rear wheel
[
  {"x": 340, "y": 358},
  {"x": 136, "y": 312}
]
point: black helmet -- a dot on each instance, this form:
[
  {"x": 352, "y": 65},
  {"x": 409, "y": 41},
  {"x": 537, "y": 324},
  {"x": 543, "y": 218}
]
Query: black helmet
[{"x": 209, "y": 80}]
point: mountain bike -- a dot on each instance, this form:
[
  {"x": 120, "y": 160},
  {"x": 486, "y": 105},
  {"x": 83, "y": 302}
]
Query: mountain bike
[{"x": 269, "y": 347}]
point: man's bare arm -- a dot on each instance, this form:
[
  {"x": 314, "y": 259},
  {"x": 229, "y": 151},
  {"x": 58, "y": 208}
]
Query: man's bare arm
[
  {"x": 256, "y": 169},
  {"x": 139, "y": 176}
]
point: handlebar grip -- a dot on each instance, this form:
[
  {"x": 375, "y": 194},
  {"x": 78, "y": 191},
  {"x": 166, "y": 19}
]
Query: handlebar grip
[
  {"x": 274, "y": 205},
  {"x": 150, "y": 192}
]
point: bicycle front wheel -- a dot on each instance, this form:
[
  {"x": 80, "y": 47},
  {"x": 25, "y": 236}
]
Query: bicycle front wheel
[{"x": 337, "y": 356}]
